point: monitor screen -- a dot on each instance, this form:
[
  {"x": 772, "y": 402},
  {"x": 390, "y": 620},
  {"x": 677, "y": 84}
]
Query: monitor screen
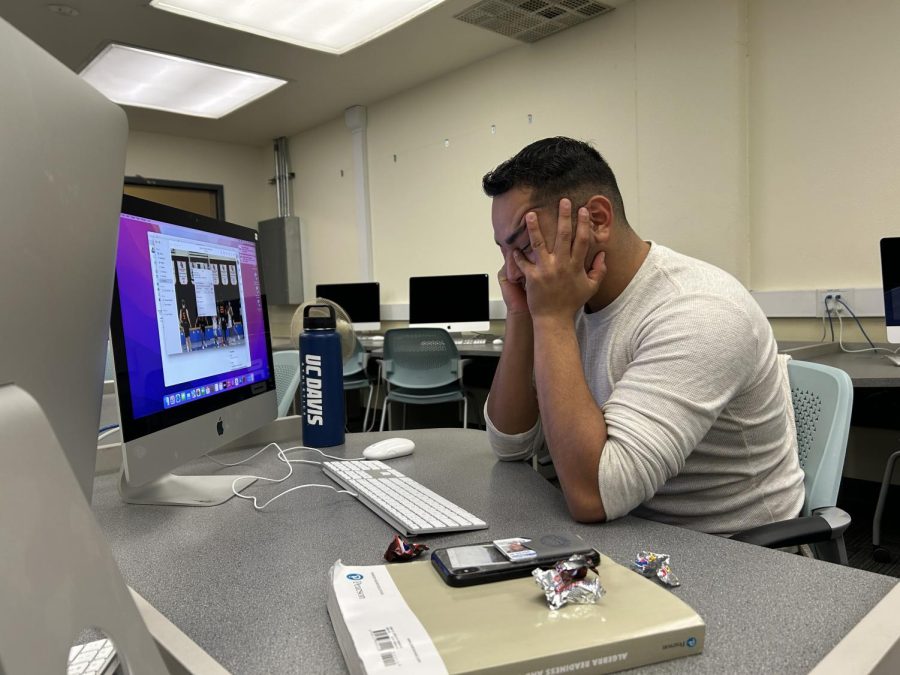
[
  {"x": 890, "y": 283},
  {"x": 361, "y": 301},
  {"x": 189, "y": 326},
  {"x": 457, "y": 302}
]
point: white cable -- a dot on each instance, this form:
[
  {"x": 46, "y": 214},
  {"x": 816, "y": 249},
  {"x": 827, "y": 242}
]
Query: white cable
[
  {"x": 282, "y": 457},
  {"x": 857, "y": 351}
]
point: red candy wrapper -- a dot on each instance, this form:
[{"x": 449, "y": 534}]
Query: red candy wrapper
[
  {"x": 401, "y": 550},
  {"x": 568, "y": 582}
]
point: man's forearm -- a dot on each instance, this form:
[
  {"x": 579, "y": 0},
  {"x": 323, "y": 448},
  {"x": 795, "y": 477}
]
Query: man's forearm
[
  {"x": 573, "y": 423},
  {"x": 512, "y": 404}
]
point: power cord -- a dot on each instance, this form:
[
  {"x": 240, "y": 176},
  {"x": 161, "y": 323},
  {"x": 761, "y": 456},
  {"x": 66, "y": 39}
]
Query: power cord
[
  {"x": 871, "y": 347},
  {"x": 282, "y": 456}
]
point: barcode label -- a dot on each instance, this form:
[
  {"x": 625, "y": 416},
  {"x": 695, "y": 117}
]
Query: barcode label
[{"x": 384, "y": 642}]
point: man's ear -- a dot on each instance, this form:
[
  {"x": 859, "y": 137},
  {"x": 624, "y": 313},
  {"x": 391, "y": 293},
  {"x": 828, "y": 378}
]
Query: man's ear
[{"x": 602, "y": 217}]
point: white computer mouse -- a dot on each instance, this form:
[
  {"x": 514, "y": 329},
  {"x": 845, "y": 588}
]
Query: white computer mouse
[
  {"x": 389, "y": 448},
  {"x": 497, "y": 341}
]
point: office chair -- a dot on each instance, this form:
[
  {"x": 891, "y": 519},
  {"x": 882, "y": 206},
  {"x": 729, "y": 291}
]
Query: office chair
[
  {"x": 287, "y": 378},
  {"x": 879, "y": 552},
  {"x": 822, "y": 398},
  {"x": 421, "y": 366},
  {"x": 356, "y": 377}
]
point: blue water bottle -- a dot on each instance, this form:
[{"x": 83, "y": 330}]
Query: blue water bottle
[{"x": 322, "y": 380}]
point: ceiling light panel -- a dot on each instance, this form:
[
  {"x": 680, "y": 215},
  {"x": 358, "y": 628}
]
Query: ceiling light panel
[
  {"x": 146, "y": 79},
  {"x": 333, "y": 26}
]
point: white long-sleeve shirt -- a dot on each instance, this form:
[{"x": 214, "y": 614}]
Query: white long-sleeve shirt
[{"x": 684, "y": 366}]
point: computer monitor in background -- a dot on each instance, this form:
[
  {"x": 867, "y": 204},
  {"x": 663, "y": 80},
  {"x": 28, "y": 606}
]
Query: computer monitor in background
[
  {"x": 63, "y": 160},
  {"x": 457, "y": 303},
  {"x": 890, "y": 283},
  {"x": 190, "y": 337},
  {"x": 362, "y": 302}
]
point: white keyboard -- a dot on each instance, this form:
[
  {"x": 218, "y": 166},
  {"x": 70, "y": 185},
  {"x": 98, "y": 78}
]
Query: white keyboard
[
  {"x": 408, "y": 506},
  {"x": 92, "y": 658},
  {"x": 470, "y": 341}
]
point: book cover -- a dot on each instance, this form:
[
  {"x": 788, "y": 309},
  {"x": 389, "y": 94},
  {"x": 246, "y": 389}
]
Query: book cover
[{"x": 403, "y": 616}]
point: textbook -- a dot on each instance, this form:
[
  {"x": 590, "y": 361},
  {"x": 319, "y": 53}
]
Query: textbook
[{"x": 404, "y": 618}]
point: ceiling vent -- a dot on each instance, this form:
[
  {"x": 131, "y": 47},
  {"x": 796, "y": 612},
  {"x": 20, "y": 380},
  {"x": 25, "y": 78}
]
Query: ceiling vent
[{"x": 530, "y": 20}]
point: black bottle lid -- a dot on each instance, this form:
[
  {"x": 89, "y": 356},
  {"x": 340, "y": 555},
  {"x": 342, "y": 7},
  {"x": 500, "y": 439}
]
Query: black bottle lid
[{"x": 319, "y": 322}]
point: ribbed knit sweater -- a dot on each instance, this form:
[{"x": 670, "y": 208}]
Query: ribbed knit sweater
[{"x": 685, "y": 368}]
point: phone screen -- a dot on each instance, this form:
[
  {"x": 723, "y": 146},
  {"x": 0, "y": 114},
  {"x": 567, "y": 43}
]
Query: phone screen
[{"x": 477, "y": 555}]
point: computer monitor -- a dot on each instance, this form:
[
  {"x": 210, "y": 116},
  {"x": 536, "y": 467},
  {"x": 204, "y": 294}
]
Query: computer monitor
[
  {"x": 890, "y": 283},
  {"x": 457, "y": 303},
  {"x": 190, "y": 337},
  {"x": 362, "y": 302},
  {"x": 63, "y": 147}
]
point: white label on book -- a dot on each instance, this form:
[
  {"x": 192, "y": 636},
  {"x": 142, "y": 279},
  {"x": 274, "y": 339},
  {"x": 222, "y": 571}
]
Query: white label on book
[{"x": 386, "y": 635}]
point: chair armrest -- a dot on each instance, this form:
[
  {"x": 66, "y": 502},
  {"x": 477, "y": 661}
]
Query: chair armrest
[{"x": 824, "y": 525}]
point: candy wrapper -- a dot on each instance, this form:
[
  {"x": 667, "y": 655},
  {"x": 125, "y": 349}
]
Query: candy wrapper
[
  {"x": 651, "y": 564},
  {"x": 402, "y": 550},
  {"x": 569, "y": 582}
]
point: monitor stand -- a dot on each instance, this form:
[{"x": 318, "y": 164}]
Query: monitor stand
[{"x": 172, "y": 490}]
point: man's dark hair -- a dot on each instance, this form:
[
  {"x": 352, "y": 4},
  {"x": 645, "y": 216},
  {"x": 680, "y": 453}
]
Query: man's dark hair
[{"x": 555, "y": 168}]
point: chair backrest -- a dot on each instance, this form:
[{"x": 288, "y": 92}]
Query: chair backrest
[
  {"x": 357, "y": 361},
  {"x": 420, "y": 358},
  {"x": 287, "y": 378},
  {"x": 823, "y": 399}
]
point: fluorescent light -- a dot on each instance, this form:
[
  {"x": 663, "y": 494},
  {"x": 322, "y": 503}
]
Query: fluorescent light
[
  {"x": 334, "y": 26},
  {"x": 146, "y": 79}
]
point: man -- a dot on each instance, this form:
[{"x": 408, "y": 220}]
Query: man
[{"x": 651, "y": 377}]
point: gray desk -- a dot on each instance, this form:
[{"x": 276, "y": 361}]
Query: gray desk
[
  {"x": 866, "y": 369},
  {"x": 249, "y": 586}
]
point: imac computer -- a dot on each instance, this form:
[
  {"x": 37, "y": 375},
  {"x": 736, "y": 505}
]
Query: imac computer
[
  {"x": 890, "y": 283},
  {"x": 457, "y": 303},
  {"x": 190, "y": 337},
  {"x": 362, "y": 302},
  {"x": 63, "y": 146}
]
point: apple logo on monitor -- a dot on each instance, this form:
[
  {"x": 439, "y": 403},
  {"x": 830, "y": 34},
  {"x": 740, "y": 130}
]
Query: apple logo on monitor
[{"x": 220, "y": 427}]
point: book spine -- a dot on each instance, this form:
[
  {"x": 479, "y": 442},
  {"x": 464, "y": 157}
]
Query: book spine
[{"x": 607, "y": 658}]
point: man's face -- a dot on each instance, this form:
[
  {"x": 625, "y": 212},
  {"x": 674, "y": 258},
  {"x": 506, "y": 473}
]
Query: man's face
[{"x": 508, "y": 218}]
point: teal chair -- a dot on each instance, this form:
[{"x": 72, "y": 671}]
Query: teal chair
[
  {"x": 356, "y": 377},
  {"x": 287, "y": 378},
  {"x": 823, "y": 399},
  {"x": 421, "y": 366}
]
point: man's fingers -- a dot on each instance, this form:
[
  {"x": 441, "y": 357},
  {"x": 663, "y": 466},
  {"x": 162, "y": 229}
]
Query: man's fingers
[
  {"x": 564, "y": 227},
  {"x": 598, "y": 267},
  {"x": 582, "y": 236},
  {"x": 535, "y": 236}
]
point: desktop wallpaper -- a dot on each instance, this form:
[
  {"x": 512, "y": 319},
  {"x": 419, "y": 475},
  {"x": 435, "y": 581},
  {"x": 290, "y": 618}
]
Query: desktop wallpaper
[{"x": 150, "y": 309}]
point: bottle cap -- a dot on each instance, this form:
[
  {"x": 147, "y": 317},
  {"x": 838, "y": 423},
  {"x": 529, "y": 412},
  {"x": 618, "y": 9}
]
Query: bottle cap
[{"x": 319, "y": 322}]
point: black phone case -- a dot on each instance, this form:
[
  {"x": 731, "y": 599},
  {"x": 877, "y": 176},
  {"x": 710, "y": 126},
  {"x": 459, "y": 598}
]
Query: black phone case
[{"x": 549, "y": 548}]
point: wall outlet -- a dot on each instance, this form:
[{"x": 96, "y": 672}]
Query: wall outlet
[{"x": 827, "y": 297}]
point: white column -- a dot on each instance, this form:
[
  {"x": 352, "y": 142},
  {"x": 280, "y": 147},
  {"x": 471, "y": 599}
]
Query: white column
[{"x": 355, "y": 119}]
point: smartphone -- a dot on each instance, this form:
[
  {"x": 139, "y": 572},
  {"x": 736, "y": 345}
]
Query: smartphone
[{"x": 482, "y": 563}]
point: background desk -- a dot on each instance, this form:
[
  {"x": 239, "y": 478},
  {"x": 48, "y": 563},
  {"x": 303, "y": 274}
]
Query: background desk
[
  {"x": 249, "y": 586},
  {"x": 866, "y": 369}
]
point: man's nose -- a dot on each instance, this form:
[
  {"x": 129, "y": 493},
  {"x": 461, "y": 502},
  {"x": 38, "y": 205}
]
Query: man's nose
[{"x": 513, "y": 273}]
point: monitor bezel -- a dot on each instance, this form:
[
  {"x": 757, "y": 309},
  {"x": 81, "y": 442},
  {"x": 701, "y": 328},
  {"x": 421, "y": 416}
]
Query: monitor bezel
[
  {"x": 358, "y": 325},
  {"x": 889, "y": 252},
  {"x": 471, "y": 326},
  {"x": 136, "y": 428}
]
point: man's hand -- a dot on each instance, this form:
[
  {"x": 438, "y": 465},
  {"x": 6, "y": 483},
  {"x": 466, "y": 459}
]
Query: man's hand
[
  {"x": 557, "y": 282},
  {"x": 513, "y": 294}
]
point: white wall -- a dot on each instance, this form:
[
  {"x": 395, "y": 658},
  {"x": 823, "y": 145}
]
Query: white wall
[
  {"x": 241, "y": 169},
  {"x": 825, "y": 140},
  {"x": 658, "y": 89}
]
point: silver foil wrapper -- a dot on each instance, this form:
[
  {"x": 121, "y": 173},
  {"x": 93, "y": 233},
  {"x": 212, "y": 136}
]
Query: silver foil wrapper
[
  {"x": 651, "y": 564},
  {"x": 569, "y": 581}
]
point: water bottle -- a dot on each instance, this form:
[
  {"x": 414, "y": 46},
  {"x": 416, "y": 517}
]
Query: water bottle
[{"x": 321, "y": 380}]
